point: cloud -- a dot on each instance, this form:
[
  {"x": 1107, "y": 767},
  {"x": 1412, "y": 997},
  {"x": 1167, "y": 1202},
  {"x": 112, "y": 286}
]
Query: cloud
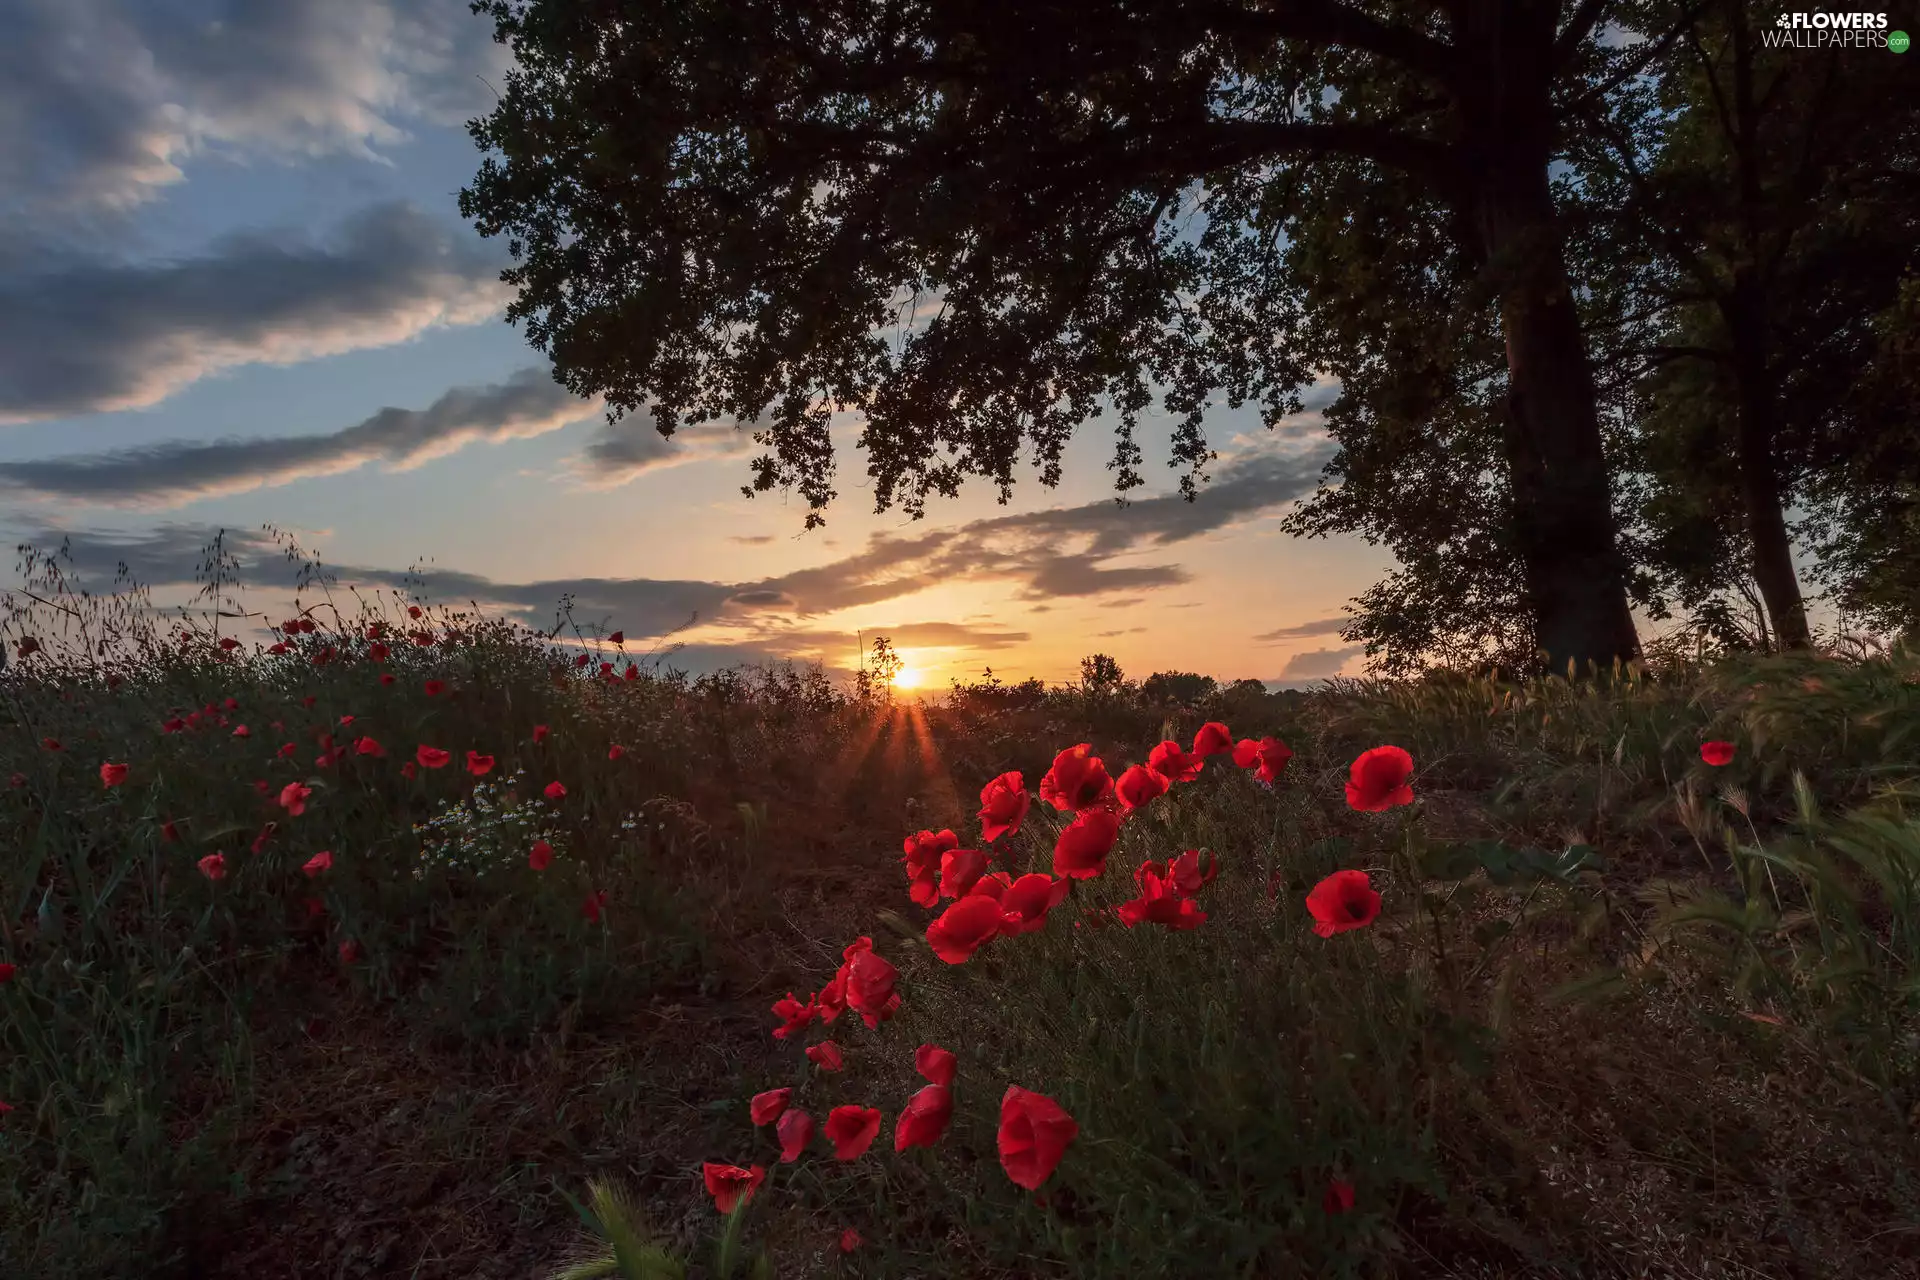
[
  {"x": 79, "y": 336},
  {"x": 173, "y": 473},
  {"x": 1305, "y": 630},
  {"x": 751, "y": 539},
  {"x": 625, "y": 450},
  {"x": 104, "y": 100},
  {"x": 1319, "y": 663},
  {"x": 1030, "y": 555}
]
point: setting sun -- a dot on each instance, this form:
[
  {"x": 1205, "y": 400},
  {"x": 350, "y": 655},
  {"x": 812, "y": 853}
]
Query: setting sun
[{"x": 906, "y": 678}]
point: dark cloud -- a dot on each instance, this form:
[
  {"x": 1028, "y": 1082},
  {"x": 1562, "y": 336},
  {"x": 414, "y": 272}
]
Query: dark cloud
[
  {"x": 752, "y": 540},
  {"x": 104, "y": 100},
  {"x": 82, "y": 336},
  {"x": 528, "y": 404},
  {"x": 1319, "y": 663},
  {"x": 1305, "y": 630},
  {"x": 762, "y": 599}
]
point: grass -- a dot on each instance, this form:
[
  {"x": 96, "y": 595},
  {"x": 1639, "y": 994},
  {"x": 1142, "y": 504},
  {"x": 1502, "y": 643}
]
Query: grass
[{"x": 1623, "y": 1013}]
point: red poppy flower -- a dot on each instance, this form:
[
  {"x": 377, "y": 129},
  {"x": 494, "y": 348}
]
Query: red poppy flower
[
  {"x": 214, "y": 866},
  {"x": 229, "y": 644},
  {"x": 349, "y": 951},
  {"x": 934, "y": 1063},
  {"x": 632, "y": 672},
  {"x": 964, "y": 928},
  {"x": 539, "y": 733},
  {"x": 369, "y": 747},
  {"x": 386, "y": 677},
  {"x": 321, "y": 861},
  {"x": 27, "y": 647},
  {"x": 869, "y": 987},
  {"x": 1077, "y": 780},
  {"x": 1269, "y": 754},
  {"x": 413, "y": 611},
  {"x": 596, "y": 902},
  {"x": 1171, "y": 761},
  {"x": 422, "y": 639},
  {"x": 556, "y": 790},
  {"x": 729, "y": 1184},
  {"x": 1378, "y": 780},
  {"x": 924, "y": 850},
  {"x": 850, "y": 1240},
  {"x": 1212, "y": 739},
  {"x": 1081, "y": 852},
  {"x": 6, "y": 973},
  {"x": 407, "y": 771},
  {"x": 375, "y": 630},
  {"x": 1138, "y": 785},
  {"x": 1034, "y": 1133},
  {"x": 617, "y": 637},
  {"x": 307, "y": 701},
  {"x": 1160, "y": 902},
  {"x": 960, "y": 869},
  {"x": 1717, "y": 753},
  {"x": 795, "y": 1131},
  {"x": 924, "y": 1118},
  {"x": 278, "y": 646},
  {"x": 478, "y": 765},
  {"x": 1003, "y": 806},
  {"x": 1025, "y": 903},
  {"x": 169, "y": 832},
  {"x": 769, "y": 1106},
  {"x": 1343, "y": 901},
  {"x": 1186, "y": 874},
  {"x": 112, "y": 775},
  {"x": 315, "y": 907},
  {"x": 260, "y": 785},
  {"x": 851, "y": 1130},
  {"x": 293, "y": 798},
  {"x": 1338, "y": 1197},
  {"x": 540, "y": 857},
  {"x": 832, "y": 998},
  {"x": 826, "y": 1055},
  {"x": 993, "y": 886},
  {"x": 432, "y": 757},
  {"x": 582, "y": 660},
  {"x": 378, "y": 652},
  {"x": 266, "y": 834},
  {"x": 172, "y": 725},
  {"x": 51, "y": 744},
  {"x": 323, "y": 656},
  {"x": 435, "y": 688},
  {"x": 795, "y": 1017},
  {"x": 615, "y": 751}
]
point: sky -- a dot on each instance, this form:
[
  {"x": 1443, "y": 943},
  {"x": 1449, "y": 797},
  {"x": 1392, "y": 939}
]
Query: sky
[{"x": 235, "y": 290}]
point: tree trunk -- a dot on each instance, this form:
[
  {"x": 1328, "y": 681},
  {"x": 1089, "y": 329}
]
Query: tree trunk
[
  {"x": 1745, "y": 313},
  {"x": 1563, "y": 502}
]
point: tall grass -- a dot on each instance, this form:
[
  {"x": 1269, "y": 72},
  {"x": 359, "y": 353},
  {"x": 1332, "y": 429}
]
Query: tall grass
[{"x": 1604, "y": 967}]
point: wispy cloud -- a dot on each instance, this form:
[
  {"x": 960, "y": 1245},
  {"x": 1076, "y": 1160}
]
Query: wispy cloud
[
  {"x": 1028, "y": 555},
  {"x": 172, "y": 473},
  {"x": 632, "y": 447},
  {"x": 1306, "y": 630},
  {"x": 80, "y": 336}
]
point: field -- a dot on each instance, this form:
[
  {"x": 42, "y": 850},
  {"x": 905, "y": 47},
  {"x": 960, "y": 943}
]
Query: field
[{"x": 1622, "y": 1011}]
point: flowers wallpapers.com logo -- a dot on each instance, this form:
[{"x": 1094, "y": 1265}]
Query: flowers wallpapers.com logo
[{"x": 1834, "y": 30}]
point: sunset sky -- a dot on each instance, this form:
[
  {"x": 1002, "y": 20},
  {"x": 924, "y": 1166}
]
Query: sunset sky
[{"x": 235, "y": 289}]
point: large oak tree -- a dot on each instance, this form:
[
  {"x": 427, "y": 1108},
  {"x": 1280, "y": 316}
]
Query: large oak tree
[{"x": 718, "y": 209}]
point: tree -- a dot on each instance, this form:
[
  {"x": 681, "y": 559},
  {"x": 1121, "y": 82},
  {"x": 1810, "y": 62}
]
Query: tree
[
  {"x": 715, "y": 208},
  {"x": 1755, "y": 208},
  {"x": 1100, "y": 675}
]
